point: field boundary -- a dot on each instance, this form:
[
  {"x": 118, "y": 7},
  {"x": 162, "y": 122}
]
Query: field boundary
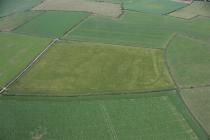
[
  {"x": 166, "y": 57},
  {"x": 28, "y": 66},
  {"x": 89, "y": 93},
  {"x": 76, "y": 25},
  {"x": 176, "y": 9},
  {"x": 41, "y": 13},
  {"x": 105, "y": 43}
]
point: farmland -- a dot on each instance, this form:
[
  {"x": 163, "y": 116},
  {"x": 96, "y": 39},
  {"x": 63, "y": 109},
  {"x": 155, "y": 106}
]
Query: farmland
[
  {"x": 13, "y": 21},
  {"x": 8, "y": 7},
  {"x": 197, "y": 8},
  {"x": 198, "y": 102},
  {"x": 16, "y": 51},
  {"x": 104, "y": 70},
  {"x": 96, "y": 68},
  {"x": 189, "y": 61},
  {"x": 40, "y": 25},
  {"x": 153, "y": 6},
  {"x": 138, "y": 29},
  {"x": 104, "y": 117},
  {"x": 101, "y": 8}
]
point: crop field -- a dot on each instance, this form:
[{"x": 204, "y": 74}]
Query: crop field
[
  {"x": 83, "y": 68},
  {"x": 11, "y": 6},
  {"x": 101, "y": 8},
  {"x": 104, "y": 70},
  {"x": 197, "y": 8},
  {"x": 198, "y": 101},
  {"x": 94, "y": 118},
  {"x": 189, "y": 61},
  {"x": 16, "y": 51},
  {"x": 138, "y": 29},
  {"x": 60, "y": 22},
  {"x": 153, "y": 6},
  {"x": 13, "y": 21}
]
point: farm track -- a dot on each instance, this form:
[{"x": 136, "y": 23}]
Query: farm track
[
  {"x": 28, "y": 67},
  {"x": 76, "y": 25}
]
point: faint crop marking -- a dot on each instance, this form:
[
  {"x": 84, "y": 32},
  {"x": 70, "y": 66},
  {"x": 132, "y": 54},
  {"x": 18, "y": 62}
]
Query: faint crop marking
[
  {"x": 109, "y": 124},
  {"x": 38, "y": 133}
]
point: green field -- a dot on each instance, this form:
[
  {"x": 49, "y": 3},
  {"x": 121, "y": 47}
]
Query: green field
[
  {"x": 11, "y": 6},
  {"x": 197, "y": 8},
  {"x": 13, "y": 21},
  {"x": 138, "y": 29},
  {"x": 153, "y": 6},
  {"x": 97, "y": 117},
  {"x": 198, "y": 102},
  {"x": 16, "y": 51},
  {"x": 189, "y": 61},
  {"x": 52, "y": 23},
  {"x": 86, "y": 68}
]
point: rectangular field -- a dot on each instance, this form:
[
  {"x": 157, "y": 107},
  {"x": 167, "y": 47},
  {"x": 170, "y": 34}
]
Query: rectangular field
[
  {"x": 93, "y": 118},
  {"x": 198, "y": 102},
  {"x": 138, "y": 29},
  {"x": 74, "y": 68},
  {"x": 99, "y": 8},
  {"x": 52, "y": 23},
  {"x": 16, "y": 51}
]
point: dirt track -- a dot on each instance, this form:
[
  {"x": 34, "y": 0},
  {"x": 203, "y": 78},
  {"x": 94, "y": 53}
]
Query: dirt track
[{"x": 99, "y": 8}]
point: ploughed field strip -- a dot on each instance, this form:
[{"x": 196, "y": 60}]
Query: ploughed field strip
[
  {"x": 197, "y": 8},
  {"x": 198, "y": 100},
  {"x": 101, "y": 8},
  {"x": 52, "y": 23},
  {"x": 11, "y": 22},
  {"x": 72, "y": 68},
  {"x": 100, "y": 117},
  {"x": 189, "y": 59},
  {"x": 16, "y": 51},
  {"x": 12, "y": 6},
  {"x": 138, "y": 29}
]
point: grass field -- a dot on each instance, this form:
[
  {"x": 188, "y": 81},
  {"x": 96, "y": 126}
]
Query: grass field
[
  {"x": 93, "y": 118},
  {"x": 11, "y": 6},
  {"x": 189, "y": 61},
  {"x": 198, "y": 102},
  {"x": 13, "y": 21},
  {"x": 86, "y": 68},
  {"x": 60, "y": 22},
  {"x": 16, "y": 51},
  {"x": 138, "y": 29},
  {"x": 153, "y": 6},
  {"x": 197, "y": 8}
]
